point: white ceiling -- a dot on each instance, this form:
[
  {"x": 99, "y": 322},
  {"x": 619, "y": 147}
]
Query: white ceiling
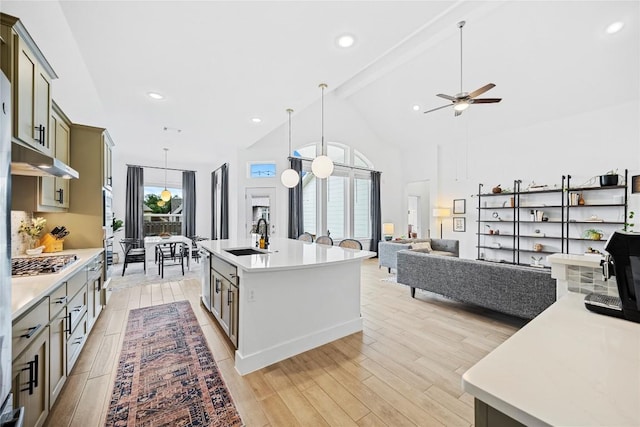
[{"x": 221, "y": 63}]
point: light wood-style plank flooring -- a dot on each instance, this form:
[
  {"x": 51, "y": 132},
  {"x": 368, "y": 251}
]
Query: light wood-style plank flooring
[{"x": 404, "y": 369}]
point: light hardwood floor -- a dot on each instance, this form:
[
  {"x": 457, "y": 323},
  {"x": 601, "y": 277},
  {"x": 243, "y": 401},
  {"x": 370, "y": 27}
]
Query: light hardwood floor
[{"x": 404, "y": 369}]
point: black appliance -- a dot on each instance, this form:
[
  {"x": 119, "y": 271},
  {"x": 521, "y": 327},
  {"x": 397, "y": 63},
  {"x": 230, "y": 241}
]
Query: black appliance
[{"x": 623, "y": 261}]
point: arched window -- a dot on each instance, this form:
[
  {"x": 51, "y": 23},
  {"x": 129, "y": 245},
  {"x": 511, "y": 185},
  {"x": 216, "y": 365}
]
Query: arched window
[{"x": 339, "y": 205}]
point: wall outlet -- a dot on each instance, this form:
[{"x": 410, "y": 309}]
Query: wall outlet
[{"x": 252, "y": 296}]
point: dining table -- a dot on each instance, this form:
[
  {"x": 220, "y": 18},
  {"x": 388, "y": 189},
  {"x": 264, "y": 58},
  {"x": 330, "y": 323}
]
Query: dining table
[{"x": 150, "y": 243}]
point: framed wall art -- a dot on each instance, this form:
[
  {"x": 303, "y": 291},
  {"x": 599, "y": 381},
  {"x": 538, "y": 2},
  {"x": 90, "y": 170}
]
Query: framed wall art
[
  {"x": 459, "y": 206},
  {"x": 459, "y": 223}
]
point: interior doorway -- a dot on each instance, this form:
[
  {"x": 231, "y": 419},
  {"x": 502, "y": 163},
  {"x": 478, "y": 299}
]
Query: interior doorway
[
  {"x": 418, "y": 208},
  {"x": 260, "y": 203}
]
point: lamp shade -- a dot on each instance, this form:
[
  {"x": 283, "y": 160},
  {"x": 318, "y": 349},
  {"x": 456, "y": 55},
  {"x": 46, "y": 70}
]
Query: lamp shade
[
  {"x": 387, "y": 228},
  {"x": 440, "y": 212},
  {"x": 322, "y": 167},
  {"x": 290, "y": 178}
]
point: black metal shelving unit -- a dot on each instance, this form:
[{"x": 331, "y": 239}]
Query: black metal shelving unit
[{"x": 566, "y": 209}]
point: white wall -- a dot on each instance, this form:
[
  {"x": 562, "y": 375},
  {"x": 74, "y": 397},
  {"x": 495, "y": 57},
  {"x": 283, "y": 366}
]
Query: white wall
[
  {"x": 343, "y": 124},
  {"x": 582, "y": 145}
]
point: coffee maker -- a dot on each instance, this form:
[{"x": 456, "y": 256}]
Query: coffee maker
[{"x": 623, "y": 261}]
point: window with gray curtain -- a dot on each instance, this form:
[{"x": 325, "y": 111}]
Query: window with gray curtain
[
  {"x": 296, "y": 224},
  {"x": 220, "y": 203},
  {"x": 376, "y": 212},
  {"x": 134, "y": 215},
  {"x": 188, "y": 203}
]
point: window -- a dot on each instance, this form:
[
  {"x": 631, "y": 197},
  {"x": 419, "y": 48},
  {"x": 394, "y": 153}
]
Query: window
[
  {"x": 340, "y": 204},
  {"x": 159, "y": 218},
  {"x": 262, "y": 170}
]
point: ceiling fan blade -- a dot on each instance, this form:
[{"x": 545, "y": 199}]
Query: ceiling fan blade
[
  {"x": 439, "y": 108},
  {"x": 485, "y": 100},
  {"x": 482, "y": 90},
  {"x": 449, "y": 97}
]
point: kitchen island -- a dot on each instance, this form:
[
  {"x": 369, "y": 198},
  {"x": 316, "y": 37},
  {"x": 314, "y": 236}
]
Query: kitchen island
[{"x": 289, "y": 298}]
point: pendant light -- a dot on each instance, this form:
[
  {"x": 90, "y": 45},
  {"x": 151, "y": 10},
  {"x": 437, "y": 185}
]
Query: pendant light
[
  {"x": 165, "y": 196},
  {"x": 322, "y": 166},
  {"x": 290, "y": 177}
]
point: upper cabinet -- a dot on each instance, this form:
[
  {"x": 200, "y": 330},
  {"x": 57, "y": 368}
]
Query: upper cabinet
[
  {"x": 30, "y": 75},
  {"x": 54, "y": 192}
]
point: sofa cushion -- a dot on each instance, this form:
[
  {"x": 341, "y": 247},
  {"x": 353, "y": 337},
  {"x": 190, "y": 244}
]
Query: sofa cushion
[
  {"x": 422, "y": 246},
  {"x": 443, "y": 253}
]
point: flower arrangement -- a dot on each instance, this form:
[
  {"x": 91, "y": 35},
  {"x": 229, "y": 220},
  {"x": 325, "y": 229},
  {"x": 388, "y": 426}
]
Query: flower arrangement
[{"x": 32, "y": 228}]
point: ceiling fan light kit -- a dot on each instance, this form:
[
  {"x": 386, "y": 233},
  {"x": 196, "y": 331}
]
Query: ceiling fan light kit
[{"x": 463, "y": 100}]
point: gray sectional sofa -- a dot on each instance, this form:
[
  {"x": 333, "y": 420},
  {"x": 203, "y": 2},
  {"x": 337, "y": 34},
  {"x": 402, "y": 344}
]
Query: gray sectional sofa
[
  {"x": 387, "y": 251},
  {"x": 512, "y": 289}
]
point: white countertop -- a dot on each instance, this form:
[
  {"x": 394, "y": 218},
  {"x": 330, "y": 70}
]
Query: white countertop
[
  {"x": 283, "y": 254},
  {"x": 25, "y": 291},
  {"x": 567, "y": 367},
  {"x": 572, "y": 259}
]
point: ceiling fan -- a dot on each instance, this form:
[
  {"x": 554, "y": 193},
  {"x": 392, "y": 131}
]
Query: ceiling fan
[{"x": 462, "y": 100}]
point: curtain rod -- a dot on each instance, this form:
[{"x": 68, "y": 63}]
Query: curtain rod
[
  {"x": 342, "y": 165},
  {"x": 158, "y": 167}
]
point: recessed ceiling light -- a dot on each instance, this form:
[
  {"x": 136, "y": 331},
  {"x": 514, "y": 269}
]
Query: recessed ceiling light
[
  {"x": 346, "y": 40},
  {"x": 614, "y": 27},
  {"x": 416, "y": 107},
  {"x": 256, "y": 120},
  {"x": 155, "y": 95}
]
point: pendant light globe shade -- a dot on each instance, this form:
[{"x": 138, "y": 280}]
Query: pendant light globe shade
[
  {"x": 322, "y": 167},
  {"x": 290, "y": 178},
  {"x": 165, "y": 195}
]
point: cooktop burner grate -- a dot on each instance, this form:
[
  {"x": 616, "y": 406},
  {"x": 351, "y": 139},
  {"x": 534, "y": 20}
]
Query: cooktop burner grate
[{"x": 40, "y": 265}]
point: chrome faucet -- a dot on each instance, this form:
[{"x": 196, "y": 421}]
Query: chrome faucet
[{"x": 266, "y": 227}]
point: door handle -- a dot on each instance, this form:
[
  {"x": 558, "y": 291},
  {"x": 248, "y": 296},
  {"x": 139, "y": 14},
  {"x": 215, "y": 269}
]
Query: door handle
[
  {"x": 60, "y": 195},
  {"x": 229, "y": 297},
  {"x": 68, "y": 328}
]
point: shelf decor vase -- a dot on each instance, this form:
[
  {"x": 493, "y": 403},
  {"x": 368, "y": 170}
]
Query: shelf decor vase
[{"x": 608, "y": 180}]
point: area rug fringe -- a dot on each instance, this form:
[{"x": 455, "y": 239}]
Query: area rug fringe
[{"x": 167, "y": 375}]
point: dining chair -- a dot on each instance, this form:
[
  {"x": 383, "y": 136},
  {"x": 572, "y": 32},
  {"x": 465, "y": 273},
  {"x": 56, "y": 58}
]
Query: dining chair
[
  {"x": 324, "y": 240},
  {"x": 305, "y": 237},
  {"x": 350, "y": 243},
  {"x": 133, "y": 250},
  {"x": 169, "y": 254}
]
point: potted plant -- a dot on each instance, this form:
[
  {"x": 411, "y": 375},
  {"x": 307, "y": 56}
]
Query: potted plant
[
  {"x": 32, "y": 230},
  {"x": 609, "y": 179},
  {"x": 593, "y": 234},
  {"x": 116, "y": 224}
]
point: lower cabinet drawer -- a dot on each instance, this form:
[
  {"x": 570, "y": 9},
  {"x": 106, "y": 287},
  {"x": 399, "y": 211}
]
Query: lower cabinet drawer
[
  {"x": 77, "y": 308},
  {"x": 57, "y": 300},
  {"x": 76, "y": 342},
  {"x": 27, "y": 327}
]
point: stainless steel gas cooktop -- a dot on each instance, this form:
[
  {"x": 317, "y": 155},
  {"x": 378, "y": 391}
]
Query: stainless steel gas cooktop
[{"x": 32, "y": 266}]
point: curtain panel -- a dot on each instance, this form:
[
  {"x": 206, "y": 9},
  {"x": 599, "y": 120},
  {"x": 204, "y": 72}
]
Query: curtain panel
[
  {"x": 214, "y": 205},
  {"x": 224, "y": 202},
  {"x": 296, "y": 225},
  {"x": 376, "y": 212},
  {"x": 188, "y": 203},
  {"x": 134, "y": 204}
]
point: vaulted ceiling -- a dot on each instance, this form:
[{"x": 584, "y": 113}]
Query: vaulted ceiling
[{"x": 219, "y": 64}]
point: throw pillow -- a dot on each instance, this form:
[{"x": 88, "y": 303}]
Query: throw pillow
[{"x": 426, "y": 246}]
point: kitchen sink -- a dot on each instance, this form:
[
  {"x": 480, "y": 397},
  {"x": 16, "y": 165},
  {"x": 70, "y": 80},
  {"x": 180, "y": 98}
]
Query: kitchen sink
[{"x": 244, "y": 251}]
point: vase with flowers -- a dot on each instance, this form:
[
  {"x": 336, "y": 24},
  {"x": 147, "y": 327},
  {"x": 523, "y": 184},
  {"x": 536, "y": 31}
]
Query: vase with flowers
[{"x": 32, "y": 229}]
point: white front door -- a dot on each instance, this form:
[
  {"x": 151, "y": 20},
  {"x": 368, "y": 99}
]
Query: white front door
[{"x": 260, "y": 203}]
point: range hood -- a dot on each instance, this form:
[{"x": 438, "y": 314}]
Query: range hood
[{"x": 27, "y": 161}]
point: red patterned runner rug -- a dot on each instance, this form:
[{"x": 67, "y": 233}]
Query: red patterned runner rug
[{"x": 166, "y": 374}]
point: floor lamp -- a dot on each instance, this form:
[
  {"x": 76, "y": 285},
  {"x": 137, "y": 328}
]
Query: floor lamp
[{"x": 441, "y": 213}]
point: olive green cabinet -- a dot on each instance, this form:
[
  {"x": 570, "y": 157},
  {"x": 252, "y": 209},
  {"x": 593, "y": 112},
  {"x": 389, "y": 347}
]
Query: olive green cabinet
[
  {"x": 53, "y": 192},
  {"x": 30, "y": 75}
]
